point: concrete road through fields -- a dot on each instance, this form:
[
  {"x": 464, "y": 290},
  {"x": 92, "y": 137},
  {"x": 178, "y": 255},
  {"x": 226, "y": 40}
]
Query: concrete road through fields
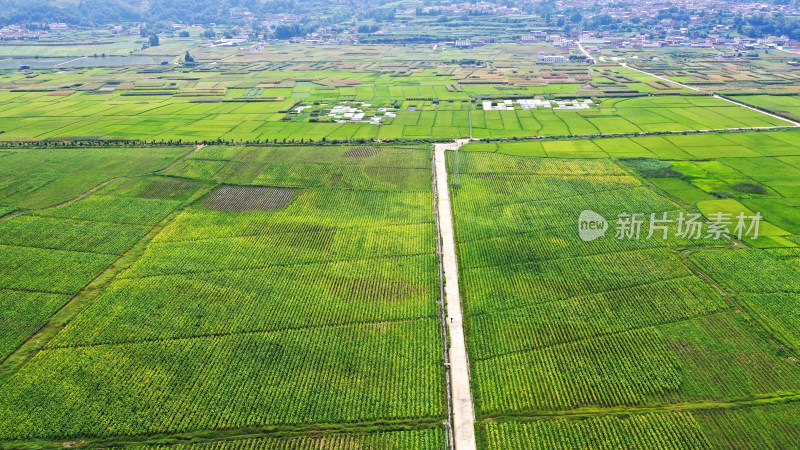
[{"x": 463, "y": 412}]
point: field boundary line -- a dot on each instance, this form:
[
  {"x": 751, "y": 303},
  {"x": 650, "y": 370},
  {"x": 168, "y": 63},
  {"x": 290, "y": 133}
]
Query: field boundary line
[
  {"x": 609, "y": 291},
  {"x": 589, "y": 412},
  {"x": 774, "y": 116},
  {"x": 240, "y": 333},
  {"x": 304, "y": 263},
  {"x": 280, "y": 233},
  {"x": 181, "y": 159},
  {"x": 97, "y": 188},
  {"x": 82, "y": 299},
  {"x": 762, "y": 111},
  {"x": 463, "y": 409},
  {"x": 200, "y": 436},
  {"x": 556, "y": 345}
]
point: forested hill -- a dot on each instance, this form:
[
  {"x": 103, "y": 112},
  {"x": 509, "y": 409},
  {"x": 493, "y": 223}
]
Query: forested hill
[{"x": 103, "y": 12}]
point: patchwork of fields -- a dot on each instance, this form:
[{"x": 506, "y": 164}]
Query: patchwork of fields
[
  {"x": 308, "y": 303},
  {"x": 264, "y": 105},
  {"x": 279, "y": 286}
]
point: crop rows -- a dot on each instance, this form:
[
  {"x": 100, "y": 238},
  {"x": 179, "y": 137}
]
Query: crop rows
[
  {"x": 155, "y": 187},
  {"x": 49, "y": 257},
  {"x": 558, "y": 243},
  {"x": 362, "y": 152},
  {"x": 735, "y": 270},
  {"x": 557, "y": 322},
  {"x": 39, "y": 178},
  {"x": 780, "y": 312},
  {"x": 322, "y": 207},
  {"x": 126, "y": 210},
  {"x": 663, "y": 431},
  {"x": 395, "y": 157},
  {"x": 254, "y": 252},
  {"x": 320, "y": 312},
  {"x": 69, "y": 234},
  {"x": 426, "y": 439},
  {"x": 481, "y": 211},
  {"x": 387, "y": 168},
  {"x": 712, "y": 357},
  {"x": 275, "y": 298},
  {"x": 344, "y": 374},
  {"x": 56, "y": 271},
  {"x": 623, "y": 369},
  {"x": 23, "y": 314},
  {"x": 771, "y": 426},
  {"x": 503, "y": 287},
  {"x": 722, "y": 357}
]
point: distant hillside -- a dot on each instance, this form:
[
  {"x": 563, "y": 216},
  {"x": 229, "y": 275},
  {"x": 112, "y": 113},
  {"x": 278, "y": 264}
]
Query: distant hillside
[{"x": 103, "y": 12}]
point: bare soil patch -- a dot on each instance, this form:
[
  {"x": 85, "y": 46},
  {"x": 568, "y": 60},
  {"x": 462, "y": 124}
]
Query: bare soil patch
[
  {"x": 249, "y": 198},
  {"x": 362, "y": 152}
]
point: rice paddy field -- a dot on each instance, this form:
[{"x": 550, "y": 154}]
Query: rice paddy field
[{"x": 246, "y": 252}]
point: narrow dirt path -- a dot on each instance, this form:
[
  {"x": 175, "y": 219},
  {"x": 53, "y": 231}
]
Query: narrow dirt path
[
  {"x": 583, "y": 50},
  {"x": 180, "y": 160},
  {"x": 71, "y": 60},
  {"x": 463, "y": 411}
]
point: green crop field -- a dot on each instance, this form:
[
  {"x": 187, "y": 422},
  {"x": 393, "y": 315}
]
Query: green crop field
[
  {"x": 216, "y": 241},
  {"x": 555, "y": 324},
  {"x": 333, "y": 264}
]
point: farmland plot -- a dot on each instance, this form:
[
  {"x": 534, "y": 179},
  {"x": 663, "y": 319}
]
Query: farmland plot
[
  {"x": 774, "y": 426},
  {"x": 50, "y": 255},
  {"x": 312, "y": 305},
  {"x": 554, "y": 323},
  {"x": 429, "y": 439}
]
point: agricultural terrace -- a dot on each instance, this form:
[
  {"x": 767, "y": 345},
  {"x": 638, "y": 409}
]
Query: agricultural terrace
[
  {"x": 559, "y": 329},
  {"x": 358, "y": 342}
]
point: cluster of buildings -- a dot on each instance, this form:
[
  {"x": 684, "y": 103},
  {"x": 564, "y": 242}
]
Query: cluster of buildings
[
  {"x": 698, "y": 12},
  {"x": 355, "y": 114},
  {"x": 481, "y": 8},
  {"x": 19, "y": 32},
  {"x": 591, "y": 42},
  {"x": 533, "y": 103},
  {"x": 36, "y": 30}
]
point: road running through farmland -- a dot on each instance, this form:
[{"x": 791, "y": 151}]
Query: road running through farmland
[
  {"x": 67, "y": 62},
  {"x": 580, "y": 47},
  {"x": 715, "y": 96},
  {"x": 463, "y": 412}
]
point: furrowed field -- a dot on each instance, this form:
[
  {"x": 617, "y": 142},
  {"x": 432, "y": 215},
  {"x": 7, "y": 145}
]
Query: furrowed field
[{"x": 291, "y": 287}]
